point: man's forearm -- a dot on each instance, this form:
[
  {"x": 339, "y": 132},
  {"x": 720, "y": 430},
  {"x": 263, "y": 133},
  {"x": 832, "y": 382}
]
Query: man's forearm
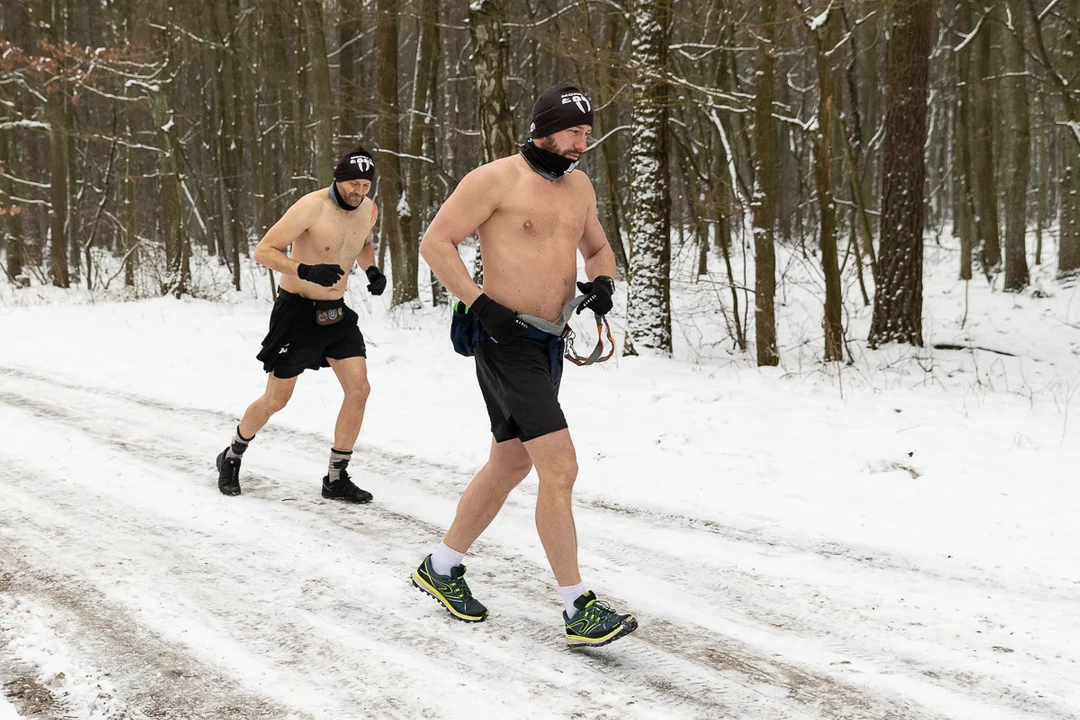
[
  {"x": 276, "y": 260},
  {"x": 600, "y": 263},
  {"x": 444, "y": 261}
]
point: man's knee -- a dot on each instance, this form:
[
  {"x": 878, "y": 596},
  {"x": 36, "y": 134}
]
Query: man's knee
[
  {"x": 357, "y": 393},
  {"x": 276, "y": 401},
  {"x": 561, "y": 471}
]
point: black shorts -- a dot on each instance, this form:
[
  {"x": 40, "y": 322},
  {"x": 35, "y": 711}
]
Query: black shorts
[
  {"x": 520, "y": 382},
  {"x": 295, "y": 342}
]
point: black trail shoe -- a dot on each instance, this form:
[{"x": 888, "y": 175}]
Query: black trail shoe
[
  {"x": 343, "y": 489},
  {"x": 595, "y": 624},
  {"x": 228, "y": 480},
  {"x": 450, "y": 590}
]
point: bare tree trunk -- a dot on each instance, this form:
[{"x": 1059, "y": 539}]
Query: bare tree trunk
[
  {"x": 492, "y": 101},
  {"x": 56, "y": 114},
  {"x": 762, "y": 205},
  {"x": 649, "y": 311},
  {"x": 162, "y": 101},
  {"x": 348, "y": 77},
  {"x": 419, "y": 121},
  {"x": 404, "y": 253},
  {"x": 324, "y": 101},
  {"x": 898, "y": 300},
  {"x": 986, "y": 213},
  {"x": 606, "y": 117},
  {"x": 966, "y": 226},
  {"x": 1018, "y": 164},
  {"x": 1069, "y": 253},
  {"x": 834, "y": 327},
  {"x": 10, "y": 211}
]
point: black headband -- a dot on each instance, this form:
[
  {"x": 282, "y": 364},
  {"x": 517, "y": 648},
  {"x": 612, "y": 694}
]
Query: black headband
[
  {"x": 559, "y": 107},
  {"x": 355, "y": 165}
]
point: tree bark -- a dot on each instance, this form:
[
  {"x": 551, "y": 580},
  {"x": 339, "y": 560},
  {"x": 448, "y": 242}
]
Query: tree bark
[
  {"x": 649, "y": 306},
  {"x": 162, "y": 101},
  {"x": 834, "y": 328},
  {"x": 420, "y": 119},
  {"x": 1069, "y": 144},
  {"x": 1018, "y": 165},
  {"x": 761, "y": 203},
  {"x": 404, "y": 253},
  {"x": 324, "y": 102},
  {"x": 967, "y": 229},
  {"x": 56, "y": 114},
  {"x": 898, "y": 300},
  {"x": 986, "y": 213}
]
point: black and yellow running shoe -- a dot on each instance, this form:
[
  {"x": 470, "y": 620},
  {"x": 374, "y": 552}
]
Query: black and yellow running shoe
[
  {"x": 595, "y": 624},
  {"x": 450, "y": 590}
]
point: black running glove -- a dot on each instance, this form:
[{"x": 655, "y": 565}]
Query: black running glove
[
  {"x": 376, "y": 280},
  {"x": 325, "y": 274},
  {"x": 501, "y": 323},
  {"x": 598, "y": 294}
]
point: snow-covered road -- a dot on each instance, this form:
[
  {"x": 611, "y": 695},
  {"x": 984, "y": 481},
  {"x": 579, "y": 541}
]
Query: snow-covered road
[{"x": 130, "y": 588}]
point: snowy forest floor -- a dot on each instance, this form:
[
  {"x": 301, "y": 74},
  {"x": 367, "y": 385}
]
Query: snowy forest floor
[{"x": 895, "y": 538}]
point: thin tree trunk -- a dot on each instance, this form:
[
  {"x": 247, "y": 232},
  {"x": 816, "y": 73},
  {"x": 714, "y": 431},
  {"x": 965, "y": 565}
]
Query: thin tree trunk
[
  {"x": 649, "y": 310},
  {"x": 56, "y": 114},
  {"x": 986, "y": 213},
  {"x": 419, "y": 121},
  {"x": 1018, "y": 164},
  {"x": 607, "y": 118},
  {"x": 834, "y": 328},
  {"x": 965, "y": 180},
  {"x": 1069, "y": 252},
  {"x": 10, "y": 211},
  {"x": 762, "y": 202},
  {"x": 492, "y": 101},
  {"x": 898, "y": 300},
  {"x": 162, "y": 101},
  {"x": 404, "y": 254},
  {"x": 320, "y": 79},
  {"x": 348, "y": 78}
]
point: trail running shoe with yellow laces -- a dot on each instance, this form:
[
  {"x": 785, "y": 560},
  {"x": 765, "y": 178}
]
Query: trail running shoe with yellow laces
[
  {"x": 450, "y": 590},
  {"x": 595, "y": 624}
]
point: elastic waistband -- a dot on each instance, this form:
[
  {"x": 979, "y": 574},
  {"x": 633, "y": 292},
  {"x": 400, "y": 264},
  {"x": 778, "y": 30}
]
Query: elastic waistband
[{"x": 538, "y": 334}]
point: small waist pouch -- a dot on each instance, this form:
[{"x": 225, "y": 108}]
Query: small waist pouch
[
  {"x": 465, "y": 329},
  {"x": 329, "y": 312}
]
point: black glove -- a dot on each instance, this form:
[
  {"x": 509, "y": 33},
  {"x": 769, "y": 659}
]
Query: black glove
[
  {"x": 599, "y": 295},
  {"x": 325, "y": 274},
  {"x": 376, "y": 280},
  {"x": 501, "y": 323}
]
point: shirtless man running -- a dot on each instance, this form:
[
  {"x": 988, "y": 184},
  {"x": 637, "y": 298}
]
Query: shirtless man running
[
  {"x": 533, "y": 215},
  {"x": 310, "y": 325}
]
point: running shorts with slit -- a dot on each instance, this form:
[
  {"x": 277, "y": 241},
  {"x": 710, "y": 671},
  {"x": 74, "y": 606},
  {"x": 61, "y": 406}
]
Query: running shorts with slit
[{"x": 295, "y": 342}]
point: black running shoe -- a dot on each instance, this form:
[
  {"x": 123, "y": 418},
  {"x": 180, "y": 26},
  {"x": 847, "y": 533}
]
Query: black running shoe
[
  {"x": 228, "y": 480},
  {"x": 343, "y": 489},
  {"x": 450, "y": 590},
  {"x": 595, "y": 624}
]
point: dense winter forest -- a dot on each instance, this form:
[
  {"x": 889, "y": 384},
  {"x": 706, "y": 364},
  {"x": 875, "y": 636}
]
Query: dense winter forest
[{"x": 136, "y": 135}]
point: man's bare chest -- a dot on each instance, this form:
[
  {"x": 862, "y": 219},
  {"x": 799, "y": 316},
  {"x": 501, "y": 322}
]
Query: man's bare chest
[
  {"x": 338, "y": 238},
  {"x": 551, "y": 218}
]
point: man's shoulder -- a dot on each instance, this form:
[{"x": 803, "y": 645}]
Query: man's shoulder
[{"x": 313, "y": 201}]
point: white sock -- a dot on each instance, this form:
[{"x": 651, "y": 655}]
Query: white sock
[
  {"x": 569, "y": 595},
  {"x": 445, "y": 558}
]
